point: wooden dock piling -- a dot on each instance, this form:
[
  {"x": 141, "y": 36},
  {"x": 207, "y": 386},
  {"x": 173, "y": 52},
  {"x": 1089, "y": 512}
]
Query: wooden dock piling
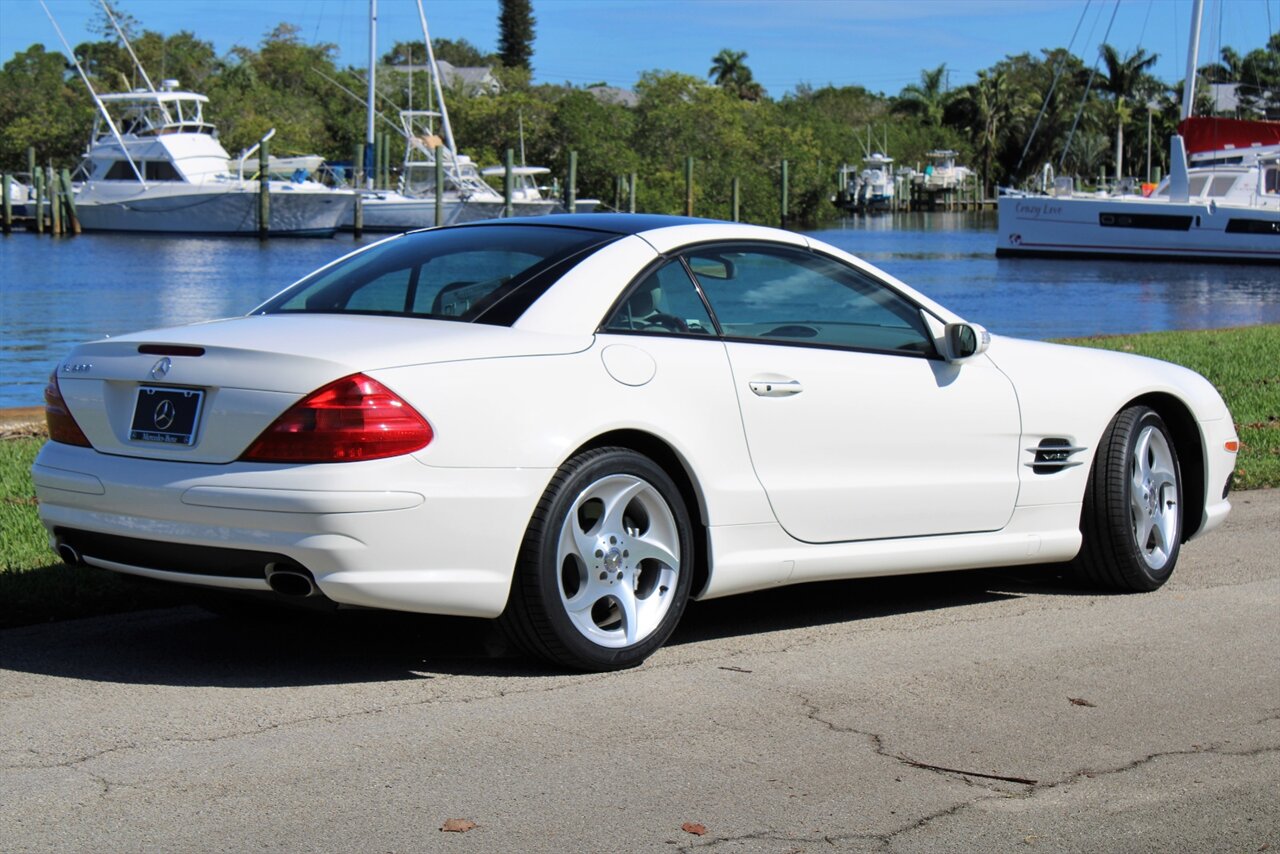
[
  {"x": 264, "y": 192},
  {"x": 6, "y": 205},
  {"x": 571, "y": 186},
  {"x": 439, "y": 189},
  {"x": 357, "y": 183},
  {"x": 786, "y": 192},
  {"x": 55, "y": 202},
  {"x": 688, "y": 186},
  {"x": 37, "y": 178},
  {"x": 509, "y": 184},
  {"x": 72, "y": 217}
]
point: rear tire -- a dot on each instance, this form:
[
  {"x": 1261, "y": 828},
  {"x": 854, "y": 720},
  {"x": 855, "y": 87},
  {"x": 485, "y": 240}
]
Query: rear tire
[
  {"x": 606, "y": 565},
  {"x": 1131, "y": 521}
]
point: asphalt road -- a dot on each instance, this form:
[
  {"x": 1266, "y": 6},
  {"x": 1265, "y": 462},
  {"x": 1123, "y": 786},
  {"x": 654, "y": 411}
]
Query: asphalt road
[{"x": 979, "y": 711}]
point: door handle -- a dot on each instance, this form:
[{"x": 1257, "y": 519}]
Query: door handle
[{"x": 775, "y": 388}]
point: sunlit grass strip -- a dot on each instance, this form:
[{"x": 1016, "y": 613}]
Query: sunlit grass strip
[{"x": 1244, "y": 365}]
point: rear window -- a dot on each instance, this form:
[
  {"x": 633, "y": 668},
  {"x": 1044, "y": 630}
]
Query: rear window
[{"x": 449, "y": 274}]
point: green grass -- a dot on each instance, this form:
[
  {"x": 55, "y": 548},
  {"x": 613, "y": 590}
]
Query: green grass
[
  {"x": 1244, "y": 365},
  {"x": 36, "y": 587}
]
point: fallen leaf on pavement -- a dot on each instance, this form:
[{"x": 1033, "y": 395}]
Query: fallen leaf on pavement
[
  {"x": 694, "y": 828},
  {"x": 1078, "y": 701},
  {"x": 458, "y": 825}
]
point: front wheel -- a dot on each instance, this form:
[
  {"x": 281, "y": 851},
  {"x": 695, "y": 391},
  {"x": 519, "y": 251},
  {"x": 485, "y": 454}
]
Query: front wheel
[
  {"x": 606, "y": 565},
  {"x": 1132, "y": 519}
]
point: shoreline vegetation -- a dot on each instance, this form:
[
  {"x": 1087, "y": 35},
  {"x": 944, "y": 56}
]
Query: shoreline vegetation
[
  {"x": 35, "y": 587},
  {"x": 1024, "y": 114}
]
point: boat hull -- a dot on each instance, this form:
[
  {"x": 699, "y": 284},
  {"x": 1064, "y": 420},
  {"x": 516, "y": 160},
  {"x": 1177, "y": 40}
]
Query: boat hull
[
  {"x": 393, "y": 213},
  {"x": 1044, "y": 226},
  {"x": 294, "y": 213}
]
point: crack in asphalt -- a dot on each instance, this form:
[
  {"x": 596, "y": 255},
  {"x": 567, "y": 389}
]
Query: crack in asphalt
[
  {"x": 302, "y": 721},
  {"x": 813, "y": 712}
]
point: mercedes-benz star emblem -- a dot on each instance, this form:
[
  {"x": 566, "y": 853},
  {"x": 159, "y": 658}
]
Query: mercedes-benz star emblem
[
  {"x": 160, "y": 369},
  {"x": 164, "y": 415}
]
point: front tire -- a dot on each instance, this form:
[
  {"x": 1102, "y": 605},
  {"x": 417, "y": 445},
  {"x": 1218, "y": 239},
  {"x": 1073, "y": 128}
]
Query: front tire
[
  {"x": 1132, "y": 517},
  {"x": 606, "y": 565}
]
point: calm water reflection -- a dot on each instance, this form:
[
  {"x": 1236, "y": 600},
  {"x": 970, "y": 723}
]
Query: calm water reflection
[{"x": 58, "y": 293}]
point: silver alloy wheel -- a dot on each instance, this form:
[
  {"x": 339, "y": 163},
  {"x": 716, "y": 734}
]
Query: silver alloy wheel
[
  {"x": 619, "y": 560},
  {"x": 1153, "y": 497}
]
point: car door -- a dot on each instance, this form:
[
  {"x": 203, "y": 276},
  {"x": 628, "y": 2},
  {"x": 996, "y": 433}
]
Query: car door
[{"x": 857, "y": 429}]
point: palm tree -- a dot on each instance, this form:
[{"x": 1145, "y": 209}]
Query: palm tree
[
  {"x": 987, "y": 107},
  {"x": 1226, "y": 71},
  {"x": 1124, "y": 77},
  {"x": 927, "y": 97},
  {"x": 730, "y": 72}
]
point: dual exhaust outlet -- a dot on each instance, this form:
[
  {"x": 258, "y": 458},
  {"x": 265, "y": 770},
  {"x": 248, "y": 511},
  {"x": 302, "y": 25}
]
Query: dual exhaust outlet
[{"x": 295, "y": 583}]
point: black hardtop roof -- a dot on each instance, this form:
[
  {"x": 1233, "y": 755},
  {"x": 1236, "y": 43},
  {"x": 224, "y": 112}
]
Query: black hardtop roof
[{"x": 611, "y": 223}]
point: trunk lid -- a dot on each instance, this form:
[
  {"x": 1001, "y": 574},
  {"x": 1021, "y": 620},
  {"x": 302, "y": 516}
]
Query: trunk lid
[{"x": 234, "y": 377}]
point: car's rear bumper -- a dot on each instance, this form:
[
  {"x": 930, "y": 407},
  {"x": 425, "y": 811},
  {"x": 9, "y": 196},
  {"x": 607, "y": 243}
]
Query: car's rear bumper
[{"x": 385, "y": 533}]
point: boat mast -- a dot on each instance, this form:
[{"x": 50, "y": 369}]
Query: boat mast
[
  {"x": 127, "y": 46},
  {"x": 137, "y": 63},
  {"x": 435, "y": 77},
  {"x": 368, "y": 129},
  {"x": 102, "y": 108},
  {"x": 1193, "y": 55}
]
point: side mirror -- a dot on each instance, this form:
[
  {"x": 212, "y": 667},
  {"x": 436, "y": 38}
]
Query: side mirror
[{"x": 965, "y": 340}]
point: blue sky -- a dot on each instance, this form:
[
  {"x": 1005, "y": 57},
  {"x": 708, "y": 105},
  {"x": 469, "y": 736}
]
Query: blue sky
[{"x": 882, "y": 45}]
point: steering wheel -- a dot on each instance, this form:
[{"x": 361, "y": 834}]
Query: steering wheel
[{"x": 665, "y": 321}]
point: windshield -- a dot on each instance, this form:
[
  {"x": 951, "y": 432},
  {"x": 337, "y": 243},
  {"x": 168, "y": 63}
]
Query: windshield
[{"x": 447, "y": 274}]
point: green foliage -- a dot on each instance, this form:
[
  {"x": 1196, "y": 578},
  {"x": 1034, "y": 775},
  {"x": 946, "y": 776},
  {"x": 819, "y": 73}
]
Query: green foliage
[
  {"x": 515, "y": 33},
  {"x": 282, "y": 85},
  {"x": 1244, "y": 365},
  {"x": 40, "y": 107},
  {"x": 1016, "y": 118},
  {"x": 461, "y": 53}
]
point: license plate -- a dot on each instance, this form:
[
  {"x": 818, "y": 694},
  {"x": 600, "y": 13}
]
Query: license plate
[{"x": 166, "y": 415}]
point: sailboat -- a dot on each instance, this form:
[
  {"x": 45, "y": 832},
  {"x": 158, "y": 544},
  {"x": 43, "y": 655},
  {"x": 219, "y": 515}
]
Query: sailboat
[
  {"x": 464, "y": 195},
  {"x": 1220, "y": 201}
]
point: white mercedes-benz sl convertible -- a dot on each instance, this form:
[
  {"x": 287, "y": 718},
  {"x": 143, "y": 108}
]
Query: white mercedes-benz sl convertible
[{"x": 576, "y": 423}]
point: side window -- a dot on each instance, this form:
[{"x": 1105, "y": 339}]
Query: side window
[
  {"x": 665, "y": 301},
  {"x": 792, "y": 296}
]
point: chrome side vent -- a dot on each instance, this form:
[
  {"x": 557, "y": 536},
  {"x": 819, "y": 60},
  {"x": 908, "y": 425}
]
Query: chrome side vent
[{"x": 1053, "y": 455}]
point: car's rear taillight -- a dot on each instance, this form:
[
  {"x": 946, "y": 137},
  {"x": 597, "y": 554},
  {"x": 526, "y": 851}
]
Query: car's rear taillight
[
  {"x": 351, "y": 419},
  {"x": 62, "y": 426}
]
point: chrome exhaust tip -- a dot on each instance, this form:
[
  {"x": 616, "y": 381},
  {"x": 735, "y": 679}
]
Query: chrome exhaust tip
[
  {"x": 294, "y": 583},
  {"x": 69, "y": 555}
]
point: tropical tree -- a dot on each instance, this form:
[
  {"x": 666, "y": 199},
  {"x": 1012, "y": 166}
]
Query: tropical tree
[
  {"x": 926, "y": 98},
  {"x": 1125, "y": 77},
  {"x": 986, "y": 108},
  {"x": 1226, "y": 71},
  {"x": 729, "y": 71},
  {"x": 41, "y": 107},
  {"x": 515, "y": 33},
  {"x": 1260, "y": 77}
]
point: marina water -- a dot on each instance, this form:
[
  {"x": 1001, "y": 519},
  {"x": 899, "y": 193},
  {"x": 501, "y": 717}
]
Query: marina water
[{"x": 57, "y": 293}]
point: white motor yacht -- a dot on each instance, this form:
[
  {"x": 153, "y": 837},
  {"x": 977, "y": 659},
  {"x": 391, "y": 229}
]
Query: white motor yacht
[
  {"x": 156, "y": 166},
  {"x": 875, "y": 183}
]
